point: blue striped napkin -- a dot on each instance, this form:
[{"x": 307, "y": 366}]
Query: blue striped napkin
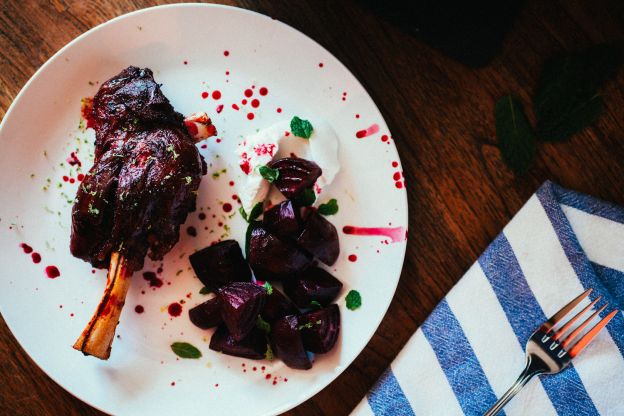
[{"x": 471, "y": 349}]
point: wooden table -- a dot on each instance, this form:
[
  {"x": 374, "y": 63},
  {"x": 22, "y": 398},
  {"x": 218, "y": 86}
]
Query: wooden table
[{"x": 440, "y": 114}]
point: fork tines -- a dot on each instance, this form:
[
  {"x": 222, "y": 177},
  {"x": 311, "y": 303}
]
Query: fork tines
[{"x": 570, "y": 342}]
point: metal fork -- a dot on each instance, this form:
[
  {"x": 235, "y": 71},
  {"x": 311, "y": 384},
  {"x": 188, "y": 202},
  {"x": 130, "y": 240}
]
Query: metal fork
[{"x": 553, "y": 345}]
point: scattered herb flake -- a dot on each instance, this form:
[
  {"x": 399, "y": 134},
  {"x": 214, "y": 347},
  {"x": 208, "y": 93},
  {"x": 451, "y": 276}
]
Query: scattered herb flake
[
  {"x": 185, "y": 350},
  {"x": 188, "y": 180},
  {"x": 301, "y": 128},
  {"x": 171, "y": 149},
  {"x": 268, "y": 173},
  {"x": 315, "y": 304},
  {"x": 328, "y": 208},
  {"x": 269, "y": 289},
  {"x": 269, "y": 353},
  {"x": 263, "y": 325},
  {"x": 204, "y": 291},
  {"x": 353, "y": 299},
  {"x": 93, "y": 211}
]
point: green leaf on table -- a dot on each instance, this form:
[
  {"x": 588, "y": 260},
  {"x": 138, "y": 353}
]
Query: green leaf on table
[
  {"x": 328, "y": 208},
  {"x": 185, "y": 350},
  {"x": 515, "y": 137},
  {"x": 567, "y": 98}
]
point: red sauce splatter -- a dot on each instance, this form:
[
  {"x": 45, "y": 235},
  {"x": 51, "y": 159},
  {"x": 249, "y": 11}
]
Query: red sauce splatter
[
  {"x": 231, "y": 183},
  {"x": 216, "y": 95},
  {"x": 185, "y": 62},
  {"x": 201, "y": 216},
  {"x": 72, "y": 180},
  {"x": 204, "y": 95},
  {"x": 219, "y": 108},
  {"x": 227, "y": 72},
  {"x": 395, "y": 164},
  {"x": 254, "y": 369},
  {"x": 250, "y": 116},
  {"x": 321, "y": 64},
  {"x": 279, "y": 109},
  {"x": 175, "y": 309},
  {"x": 27, "y": 249},
  {"x": 255, "y": 103},
  {"x": 235, "y": 107},
  {"x": 65, "y": 178},
  {"x": 172, "y": 383},
  {"x": 374, "y": 128},
  {"x": 52, "y": 272},
  {"x": 396, "y": 234},
  {"x": 191, "y": 127},
  {"x": 285, "y": 380},
  {"x": 217, "y": 385},
  {"x": 248, "y": 92},
  {"x": 352, "y": 257},
  {"x": 92, "y": 271},
  {"x": 153, "y": 280},
  {"x": 36, "y": 258},
  {"x": 73, "y": 159},
  {"x": 263, "y": 368},
  {"x": 226, "y": 53},
  {"x": 139, "y": 309},
  {"x": 384, "y": 138},
  {"x": 399, "y": 185},
  {"x": 268, "y": 376},
  {"x": 264, "y": 149},
  {"x": 80, "y": 177},
  {"x": 227, "y": 207},
  {"x": 192, "y": 231},
  {"x": 357, "y": 116},
  {"x": 244, "y": 101},
  {"x": 396, "y": 176},
  {"x": 204, "y": 146},
  {"x": 218, "y": 140},
  {"x": 263, "y": 91}
]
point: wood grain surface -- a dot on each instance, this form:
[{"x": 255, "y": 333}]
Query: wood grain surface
[{"x": 440, "y": 114}]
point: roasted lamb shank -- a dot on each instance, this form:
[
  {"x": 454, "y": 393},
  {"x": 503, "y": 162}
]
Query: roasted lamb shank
[{"x": 142, "y": 185}]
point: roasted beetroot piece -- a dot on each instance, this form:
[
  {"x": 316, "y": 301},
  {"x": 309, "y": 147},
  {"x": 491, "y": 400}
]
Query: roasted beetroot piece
[
  {"x": 277, "y": 306},
  {"x": 314, "y": 284},
  {"x": 275, "y": 259},
  {"x": 283, "y": 220},
  {"x": 241, "y": 302},
  {"x": 287, "y": 344},
  {"x": 220, "y": 264},
  {"x": 207, "y": 314},
  {"x": 320, "y": 329},
  {"x": 320, "y": 238},
  {"x": 253, "y": 346},
  {"x": 295, "y": 175}
]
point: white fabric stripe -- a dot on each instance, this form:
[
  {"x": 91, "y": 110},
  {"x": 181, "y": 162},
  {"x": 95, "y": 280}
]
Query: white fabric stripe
[
  {"x": 494, "y": 342},
  {"x": 423, "y": 381},
  {"x": 553, "y": 280},
  {"x": 363, "y": 409},
  {"x": 600, "y": 238}
]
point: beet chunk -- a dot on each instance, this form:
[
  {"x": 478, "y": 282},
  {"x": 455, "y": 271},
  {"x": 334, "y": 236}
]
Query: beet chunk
[
  {"x": 283, "y": 220},
  {"x": 241, "y": 302},
  {"x": 295, "y": 175},
  {"x": 320, "y": 329},
  {"x": 207, "y": 314},
  {"x": 287, "y": 344},
  {"x": 277, "y": 306},
  {"x": 320, "y": 238},
  {"x": 274, "y": 259},
  {"x": 253, "y": 346},
  {"x": 220, "y": 264},
  {"x": 315, "y": 284}
]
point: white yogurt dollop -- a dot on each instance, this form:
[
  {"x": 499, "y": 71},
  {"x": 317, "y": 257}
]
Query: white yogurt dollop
[{"x": 276, "y": 142}]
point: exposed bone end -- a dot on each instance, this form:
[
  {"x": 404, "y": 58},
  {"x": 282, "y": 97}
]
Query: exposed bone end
[
  {"x": 97, "y": 337},
  {"x": 200, "y": 126}
]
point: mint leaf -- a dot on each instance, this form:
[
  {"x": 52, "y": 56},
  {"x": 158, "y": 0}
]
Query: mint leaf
[
  {"x": 353, "y": 299},
  {"x": 269, "y": 289},
  {"x": 269, "y": 353},
  {"x": 268, "y": 173},
  {"x": 252, "y": 225},
  {"x": 328, "y": 208},
  {"x": 315, "y": 304},
  {"x": 185, "y": 350},
  {"x": 515, "y": 137},
  {"x": 301, "y": 128},
  {"x": 243, "y": 213},
  {"x": 204, "y": 291},
  {"x": 256, "y": 211},
  {"x": 566, "y": 98},
  {"x": 305, "y": 198},
  {"x": 263, "y": 325}
]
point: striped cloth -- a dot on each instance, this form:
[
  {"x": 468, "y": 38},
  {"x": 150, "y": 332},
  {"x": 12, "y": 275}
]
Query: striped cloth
[{"x": 471, "y": 349}]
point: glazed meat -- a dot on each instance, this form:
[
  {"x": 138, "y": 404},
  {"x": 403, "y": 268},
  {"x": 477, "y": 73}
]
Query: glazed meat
[{"x": 144, "y": 178}]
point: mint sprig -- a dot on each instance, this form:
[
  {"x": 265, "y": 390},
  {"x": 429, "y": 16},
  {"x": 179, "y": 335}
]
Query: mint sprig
[
  {"x": 301, "y": 128},
  {"x": 353, "y": 300},
  {"x": 268, "y": 173},
  {"x": 329, "y": 208},
  {"x": 185, "y": 350}
]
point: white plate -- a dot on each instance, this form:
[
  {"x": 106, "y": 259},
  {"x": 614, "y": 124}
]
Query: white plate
[{"x": 185, "y": 46}]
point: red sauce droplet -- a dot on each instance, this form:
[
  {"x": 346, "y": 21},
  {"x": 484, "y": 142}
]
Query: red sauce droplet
[
  {"x": 80, "y": 177},
  {"x": 173, "y": 383},
  {"x": 263, "y": 91},
  {"x": 231, "y": 183},
  {"x": 92, "y": 271},
  {"x": 268, "y": 376},
  {"x": 250, "y": 116},
  {"x": 263, "y": 368},
  {"x": 217, "y": 385},
  {"x": 202, "y": 216},
  {"x": 227, "y": 207},
  {"x": 395, "y": 164},
  {"x": 235, "y": 107},
  {"x": 227, "y": 72},
  {"x": 399, "y": 185},
  {"x": 27, "y": 249},
  {"x": 185, "y": 62},
  {"x": 153, "y": 280},
  {"x": 235, "y": 197},
  {"x": 357, "y": 116},
  {"x": 216, "y": 94},
  {"x": 384, "y": 138},
  {"x": 191, "y": 231},
  {"x": 285, "y": 380},
  {"x": 73, "y": 159},
  {"x": 218, "y": 140},
  {"x": 374, "y": 128},
  {"x": 204, "y": 95},
  {"x": 352, "y": 257},
  {"x": 396, "y": 176},
  {"x": 36, "y": 257},
  {"x": 255, "y": 103},
  {"x": 244, "y": 101},
  {"x": 139, "y": 309},
  {"x": 219, "y": 108},
  {"x": 52, "y": 272},
  {"x": 72, "y": 180},
  {"x": 396, "y": 234},
  {"x": 248, "y": 92},
  {"x": 65, "y": 178},
  {"x": 321, "y": 64},
  {"x": 204, "y": 146},
  {"x": 279, "y": 109},
  {"x": 254, "y": 369},
  {"x": 226, "y": 53},
  {"x": 175, "y": 309}
]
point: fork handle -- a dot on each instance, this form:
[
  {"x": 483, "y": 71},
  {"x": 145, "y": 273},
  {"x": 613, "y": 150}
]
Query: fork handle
[{"x": 531, "y": 369}]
